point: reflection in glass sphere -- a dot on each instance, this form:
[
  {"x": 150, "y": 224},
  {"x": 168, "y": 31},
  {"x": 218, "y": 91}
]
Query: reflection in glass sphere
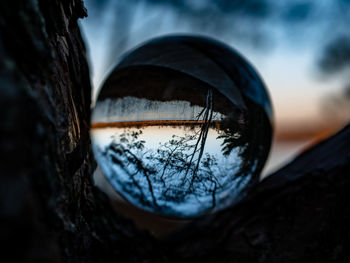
[{"x": 182, "y": 127}]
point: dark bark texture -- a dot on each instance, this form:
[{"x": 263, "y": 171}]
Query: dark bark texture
[{"x": 51, "y": 212}]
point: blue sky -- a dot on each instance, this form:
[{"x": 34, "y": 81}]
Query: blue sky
[{"x": 286, "y": 42}]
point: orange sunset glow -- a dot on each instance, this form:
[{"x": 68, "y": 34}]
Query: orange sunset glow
[{"x": 138, "y": 124}]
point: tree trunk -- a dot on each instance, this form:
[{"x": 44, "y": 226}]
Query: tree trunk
[
  {"x": 49, "y": 209},
  {"x": 51, "y": 212}
]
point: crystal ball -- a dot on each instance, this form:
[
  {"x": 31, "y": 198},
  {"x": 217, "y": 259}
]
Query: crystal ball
[{"x": 182, "y": 126}]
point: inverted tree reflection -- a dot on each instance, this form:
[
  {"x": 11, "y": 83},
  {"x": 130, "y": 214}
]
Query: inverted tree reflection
[{"x": 179, "y": 170}]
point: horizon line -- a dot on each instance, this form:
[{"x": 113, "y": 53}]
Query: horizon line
[{"x": 123, "y": 124}]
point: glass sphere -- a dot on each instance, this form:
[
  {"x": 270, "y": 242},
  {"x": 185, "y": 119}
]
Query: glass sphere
[{"x": 182, "y": 126}]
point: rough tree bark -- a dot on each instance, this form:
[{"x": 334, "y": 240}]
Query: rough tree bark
[
  {"x": 51, "y": 212},
  {"x": 49, "y": 209}
]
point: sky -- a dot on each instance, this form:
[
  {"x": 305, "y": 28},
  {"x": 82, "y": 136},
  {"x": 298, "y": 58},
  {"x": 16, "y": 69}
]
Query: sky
[{"x": 300, "y": 48}]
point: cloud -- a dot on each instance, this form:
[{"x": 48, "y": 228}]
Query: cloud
[{"x": 336, "y": 55}]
